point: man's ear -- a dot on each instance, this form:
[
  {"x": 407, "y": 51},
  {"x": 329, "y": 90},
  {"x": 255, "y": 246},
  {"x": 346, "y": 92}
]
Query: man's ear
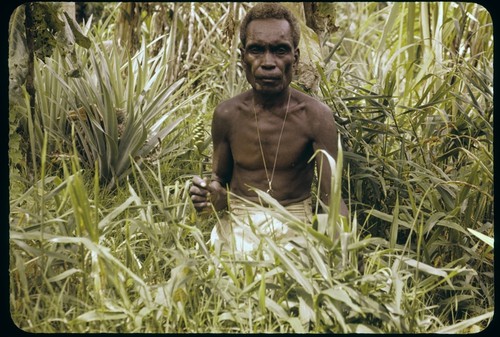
[
  {"x": 242, "y": 53},
  {"x": 296, "y": 55}
]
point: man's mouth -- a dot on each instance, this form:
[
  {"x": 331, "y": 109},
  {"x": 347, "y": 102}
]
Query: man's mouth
[{"x": 268, "y": 79}]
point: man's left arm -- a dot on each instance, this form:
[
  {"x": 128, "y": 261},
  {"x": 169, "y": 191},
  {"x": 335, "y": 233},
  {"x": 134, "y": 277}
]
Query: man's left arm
[{"x": 326, "y": 138}]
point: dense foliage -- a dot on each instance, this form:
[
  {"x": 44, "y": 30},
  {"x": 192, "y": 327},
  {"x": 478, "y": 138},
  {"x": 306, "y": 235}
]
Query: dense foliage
[{"x": 103, "y": 237}]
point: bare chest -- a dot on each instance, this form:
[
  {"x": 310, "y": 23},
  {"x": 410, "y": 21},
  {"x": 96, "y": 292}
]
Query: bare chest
[{"x": 270, "y": 140}]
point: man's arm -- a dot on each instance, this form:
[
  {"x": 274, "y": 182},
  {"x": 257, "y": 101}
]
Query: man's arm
[
  {"x": 222, "y": 159},
  {"x": 325, "y": 136},
  {"x": 204, "y": 192}
]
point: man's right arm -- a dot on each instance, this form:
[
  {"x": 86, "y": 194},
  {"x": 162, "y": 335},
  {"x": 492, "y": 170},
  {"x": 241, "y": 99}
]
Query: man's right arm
[
  {"x": 222, "y": 159},
  {"x": 206, "y": 193}
]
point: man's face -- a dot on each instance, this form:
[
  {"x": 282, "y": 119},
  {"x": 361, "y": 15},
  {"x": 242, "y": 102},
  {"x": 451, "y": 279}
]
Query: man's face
[{"x": 269, "y": 55}]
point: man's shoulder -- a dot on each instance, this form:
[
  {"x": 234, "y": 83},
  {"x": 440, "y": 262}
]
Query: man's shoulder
[
  {"x": 231, "y": 104},
  {"x": 312, "y": 104}
]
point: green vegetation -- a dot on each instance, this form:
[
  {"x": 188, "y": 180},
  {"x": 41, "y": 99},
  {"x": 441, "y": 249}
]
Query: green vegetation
[{"x": 103, "y": 237}]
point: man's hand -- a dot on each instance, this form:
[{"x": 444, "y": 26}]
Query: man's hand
[
  {"x": 204, "y": 194},
  {"x": 200, "y": 195}
]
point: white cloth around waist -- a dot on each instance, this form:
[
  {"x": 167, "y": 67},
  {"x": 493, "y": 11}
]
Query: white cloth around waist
[{"x": 241, "y": 229}]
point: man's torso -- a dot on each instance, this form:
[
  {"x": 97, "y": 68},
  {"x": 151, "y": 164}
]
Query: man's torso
[{"x": 293, "y": 173}]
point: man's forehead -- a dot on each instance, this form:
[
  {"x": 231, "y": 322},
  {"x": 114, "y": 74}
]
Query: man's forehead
[{"x": 268, "y": 30}]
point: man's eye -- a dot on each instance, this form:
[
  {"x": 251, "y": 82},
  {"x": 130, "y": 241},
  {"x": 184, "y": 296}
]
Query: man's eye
[
  {"x": 255, "y": 50},
  {"x": 281, "y": 50}
]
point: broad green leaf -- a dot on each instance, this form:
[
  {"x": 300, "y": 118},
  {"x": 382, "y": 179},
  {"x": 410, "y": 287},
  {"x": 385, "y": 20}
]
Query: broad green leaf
[
  {"x": 262, "y": 292},
  {"x": 306, "y": 312},
  {"x": 394, "y": 225},
  {"x": 319, "y": 263},
  {"x": 295, "y": 324},
  {"x": 115, "y": 212},
  {"x": 290, "y": 267},
  {"x": 486, "y": 239},
  {"x": 338, "y": 294},
  {"x": 461, "y": 326},
  {"x": 97, "y": 315},
  {"x": 425, "y": 267},
  {"x": 64, "y": 275},
  {"x": 276, "y": 309}
]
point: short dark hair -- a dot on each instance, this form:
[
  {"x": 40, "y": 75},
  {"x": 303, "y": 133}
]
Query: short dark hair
[{"x": 270, "y": 10}]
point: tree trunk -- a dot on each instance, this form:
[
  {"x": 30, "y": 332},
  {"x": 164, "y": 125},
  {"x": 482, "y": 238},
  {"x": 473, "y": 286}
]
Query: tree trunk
[
  {"x": 129, "y": 25},
  {"x": 309, "y": 12},
  {"x": 320, "y": 17},
  {"x": 30, "y": 77}
]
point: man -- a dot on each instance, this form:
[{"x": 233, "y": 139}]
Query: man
[{"x": 264, "y": 138}]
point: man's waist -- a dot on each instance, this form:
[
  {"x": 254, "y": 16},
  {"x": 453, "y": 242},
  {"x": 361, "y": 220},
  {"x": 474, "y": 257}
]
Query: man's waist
[{"x": 240, "y": 206}]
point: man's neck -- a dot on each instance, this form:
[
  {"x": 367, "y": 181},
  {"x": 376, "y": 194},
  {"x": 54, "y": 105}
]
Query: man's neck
[{"x": 271, "y": 101}]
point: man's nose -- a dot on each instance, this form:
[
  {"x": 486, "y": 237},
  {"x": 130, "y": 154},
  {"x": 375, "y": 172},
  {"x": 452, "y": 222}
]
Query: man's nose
[{"x": 268, "y": 60}]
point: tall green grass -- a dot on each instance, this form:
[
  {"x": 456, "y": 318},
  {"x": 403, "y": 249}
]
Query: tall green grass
[
  {"x": 413, "y": 100},
  {"x": 411, "y": 85},
  {"x": 144, "y": 266}
]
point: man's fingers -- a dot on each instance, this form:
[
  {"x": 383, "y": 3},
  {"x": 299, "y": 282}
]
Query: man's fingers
[
  {"x": 200, "y": 203},
  {"x": 199, "y": 186},
  {"x": 194, "y": 190},
  {"x": 199, "y": 181},
  {"x": 198, "y": 199},
  {"x": 200, "y": 194}
]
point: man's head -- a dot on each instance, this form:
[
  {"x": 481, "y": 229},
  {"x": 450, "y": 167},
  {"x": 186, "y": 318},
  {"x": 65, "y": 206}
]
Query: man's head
[
  {"x": 270, "y": 10},
  {"x": 270, "y": 38}
]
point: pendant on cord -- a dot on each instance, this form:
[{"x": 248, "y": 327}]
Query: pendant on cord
[{"x": 270, "y": 189}]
